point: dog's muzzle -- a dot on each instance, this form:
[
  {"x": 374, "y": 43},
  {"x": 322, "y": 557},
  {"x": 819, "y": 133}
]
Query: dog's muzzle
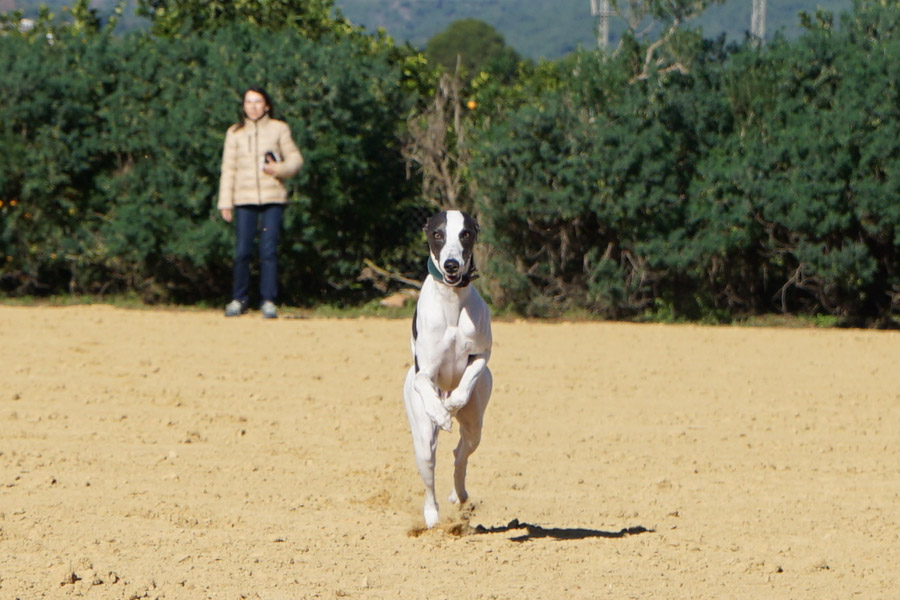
[
  {"x": 452, "y": 275},
  {"x": 456, "y": 278}
]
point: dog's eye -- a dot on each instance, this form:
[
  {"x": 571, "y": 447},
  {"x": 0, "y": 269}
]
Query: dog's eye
[
  {"x": 438, "y": 235},
  {"x": 465, "y": 235}
]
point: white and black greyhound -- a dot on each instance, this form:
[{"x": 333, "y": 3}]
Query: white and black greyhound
[{"x": 451, "y": 345}]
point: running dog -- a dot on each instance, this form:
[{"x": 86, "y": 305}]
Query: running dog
[{"x": 451, "y": 345}]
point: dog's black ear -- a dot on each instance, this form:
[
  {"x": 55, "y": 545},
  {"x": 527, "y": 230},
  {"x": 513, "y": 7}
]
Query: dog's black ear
[
  {"x": 471, "y": 223},
  {"x": 435, "y": 221}
]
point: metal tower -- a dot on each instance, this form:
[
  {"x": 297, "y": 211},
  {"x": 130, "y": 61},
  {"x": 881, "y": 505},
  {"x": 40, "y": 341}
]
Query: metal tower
[
  {"x": 758, "y": 21},
  {"x": 601, "y": 10}
]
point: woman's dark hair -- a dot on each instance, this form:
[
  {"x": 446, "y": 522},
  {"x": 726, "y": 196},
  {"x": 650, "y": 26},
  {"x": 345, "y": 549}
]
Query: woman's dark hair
[{"x": 262, "y": 92}]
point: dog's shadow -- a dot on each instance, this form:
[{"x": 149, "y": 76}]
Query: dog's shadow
[{"x": 536, "y": 531}]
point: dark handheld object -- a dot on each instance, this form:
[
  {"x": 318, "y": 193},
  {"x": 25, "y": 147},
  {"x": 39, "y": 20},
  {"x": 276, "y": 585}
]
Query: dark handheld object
[{"x": 270, "y": 157}]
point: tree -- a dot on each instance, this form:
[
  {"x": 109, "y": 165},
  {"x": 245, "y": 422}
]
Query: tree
[
  {"x": 475, "y": 46},
  {"x": 437, "y": 144},
  {"x": 178, "y": 17},
  {"x": 669, "y": 50},
  {"x": 437, "y": 132}
]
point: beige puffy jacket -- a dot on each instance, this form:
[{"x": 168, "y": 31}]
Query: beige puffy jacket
[{"x": 243, "y": 180}]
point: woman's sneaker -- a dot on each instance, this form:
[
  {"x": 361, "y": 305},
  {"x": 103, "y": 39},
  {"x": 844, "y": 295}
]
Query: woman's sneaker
[
  {"x": 235, "y": 308},
  {"x": 268, "y": 310}
]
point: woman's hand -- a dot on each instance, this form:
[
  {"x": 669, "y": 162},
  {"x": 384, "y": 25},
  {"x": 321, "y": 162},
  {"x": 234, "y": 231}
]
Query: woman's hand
[{"x": 226, "y": 214}]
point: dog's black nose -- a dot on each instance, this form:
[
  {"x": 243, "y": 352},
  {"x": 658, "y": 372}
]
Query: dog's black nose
[{"x": 451, "y": 266}]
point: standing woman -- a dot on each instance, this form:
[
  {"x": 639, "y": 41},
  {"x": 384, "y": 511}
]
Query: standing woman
[{"x": 259, "y": 154}]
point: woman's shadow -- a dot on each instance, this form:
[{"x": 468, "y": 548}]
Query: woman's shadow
[{"x": 577, "y": 533}]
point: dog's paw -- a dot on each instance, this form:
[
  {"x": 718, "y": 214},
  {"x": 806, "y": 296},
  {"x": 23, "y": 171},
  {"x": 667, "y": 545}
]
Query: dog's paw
[
  {"x": 431, "y": 516},
  {"x": 454, "y": 402},
  {"x": 456, "y": 498},
  {"x": 439, "y": 415},
  {"x": 443, "y": 420},
  {"x": 445, "y": 423}
]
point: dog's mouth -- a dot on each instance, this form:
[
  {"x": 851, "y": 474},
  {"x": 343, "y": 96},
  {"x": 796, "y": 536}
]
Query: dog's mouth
[{"x": 452, "y": 279}]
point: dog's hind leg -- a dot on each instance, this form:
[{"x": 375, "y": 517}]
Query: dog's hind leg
[{"x": 471, "y": 419}]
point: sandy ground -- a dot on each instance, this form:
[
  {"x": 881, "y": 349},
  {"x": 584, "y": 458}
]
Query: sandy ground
[{"x": 177, "y": 454}]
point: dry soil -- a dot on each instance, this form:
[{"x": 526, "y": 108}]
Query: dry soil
[{"x": 179, "y": 454}]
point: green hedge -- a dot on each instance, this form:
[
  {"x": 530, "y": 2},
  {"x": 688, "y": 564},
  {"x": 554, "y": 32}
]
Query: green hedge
[
  {"x": 761, "y": 180},
  {"x": 112, "y": 151}
]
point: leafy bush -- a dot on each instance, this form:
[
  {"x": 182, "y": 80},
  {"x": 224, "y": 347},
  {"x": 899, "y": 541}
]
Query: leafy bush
[
  {"x": 586, "y": 187},
  {"x": 757, "y": 180},
  {"x": 810, "y": 181},
  {"x": 118, "y": 144}
]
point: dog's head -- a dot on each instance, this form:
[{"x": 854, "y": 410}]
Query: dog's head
[{"x": 451, "y": 239}]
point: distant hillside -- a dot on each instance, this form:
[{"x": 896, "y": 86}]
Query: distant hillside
[
  {"x": 533, "y": 27},
  {"x": 536, "y": 28}
]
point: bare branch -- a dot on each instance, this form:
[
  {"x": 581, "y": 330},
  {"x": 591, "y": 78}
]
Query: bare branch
[
  {"x": 438, "y": 144},
  {"x": 389, "y": 275}
]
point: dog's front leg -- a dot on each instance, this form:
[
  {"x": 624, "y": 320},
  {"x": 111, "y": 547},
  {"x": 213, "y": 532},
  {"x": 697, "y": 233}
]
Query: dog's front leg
[
  {"x": 431, "y": 399},
  {"x": 460, "y": 396},
  {"x": 425, "y": 435}
]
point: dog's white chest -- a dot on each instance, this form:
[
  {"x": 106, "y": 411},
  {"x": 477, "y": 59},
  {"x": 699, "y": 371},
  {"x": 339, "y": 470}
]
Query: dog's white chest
[
  {"x": 456, "y": 347},
  {"x": 450, "y": 331}
]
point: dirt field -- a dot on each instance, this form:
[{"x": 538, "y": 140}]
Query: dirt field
[{"x": 177, "y": 454}]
